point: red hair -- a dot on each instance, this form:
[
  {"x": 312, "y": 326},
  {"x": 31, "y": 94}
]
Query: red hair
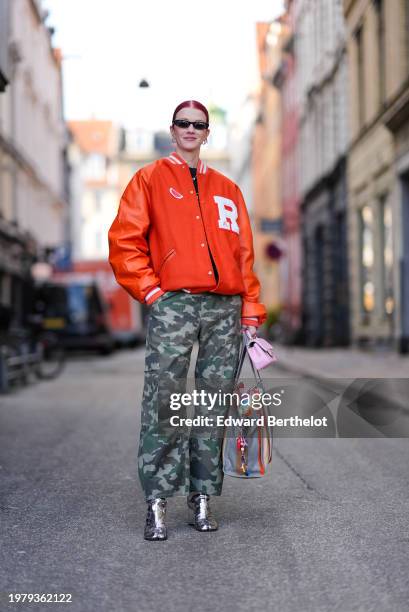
[{"x": 191, "y": 104}]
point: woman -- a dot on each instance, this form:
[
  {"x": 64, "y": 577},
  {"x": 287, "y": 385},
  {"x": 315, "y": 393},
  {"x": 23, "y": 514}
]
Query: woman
[{"x": 181, "y": 243}]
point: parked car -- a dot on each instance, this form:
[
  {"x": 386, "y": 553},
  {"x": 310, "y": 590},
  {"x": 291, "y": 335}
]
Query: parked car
[
  {"x": 74, "y": 308},
  {"x": 126, "y": 316}
]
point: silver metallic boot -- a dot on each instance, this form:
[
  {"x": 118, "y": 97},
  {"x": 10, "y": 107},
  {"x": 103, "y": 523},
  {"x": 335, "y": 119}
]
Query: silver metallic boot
[
  {"x": 155, "y": 528},
  {"x": 202, "y": 518}
]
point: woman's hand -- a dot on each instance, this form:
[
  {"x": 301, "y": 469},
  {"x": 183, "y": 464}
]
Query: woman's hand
[{"x": 252, "y": 329}]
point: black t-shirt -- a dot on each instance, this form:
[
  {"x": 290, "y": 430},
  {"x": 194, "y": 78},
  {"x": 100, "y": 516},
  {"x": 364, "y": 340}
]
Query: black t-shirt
[{"x": 193, "y": 172}]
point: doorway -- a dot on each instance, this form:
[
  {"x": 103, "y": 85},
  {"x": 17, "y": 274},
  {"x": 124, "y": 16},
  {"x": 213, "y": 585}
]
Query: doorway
[{"x": 404, "y": 268}]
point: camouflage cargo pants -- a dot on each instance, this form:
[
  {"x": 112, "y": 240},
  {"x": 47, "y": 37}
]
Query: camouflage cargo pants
[{"x": 173, "y": 460}]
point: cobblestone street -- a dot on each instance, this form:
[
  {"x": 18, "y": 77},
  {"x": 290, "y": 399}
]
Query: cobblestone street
[{"x": 326, "y": 529}]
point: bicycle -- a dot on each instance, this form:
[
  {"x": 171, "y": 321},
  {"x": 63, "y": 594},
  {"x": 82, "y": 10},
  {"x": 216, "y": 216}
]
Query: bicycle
[{"x": 30, "y": 350}]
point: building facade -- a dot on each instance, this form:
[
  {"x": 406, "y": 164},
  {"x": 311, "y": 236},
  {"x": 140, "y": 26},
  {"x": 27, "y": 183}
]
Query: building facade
[
  {"x": 285, "y": 80},
  {"x": 322, "y": 81},
  {"x": 378, "y": 170},
  {"x": 94, "y": 186},
  {"x": 266, "y": 167},
  {"x": 216, "y": 151},
  {"x": 32, "y": 141},
  {"x": 240, "y": 147},
  {"x": 4, "y": 41}
]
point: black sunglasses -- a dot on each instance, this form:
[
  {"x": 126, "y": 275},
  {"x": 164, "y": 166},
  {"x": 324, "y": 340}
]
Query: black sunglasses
[{"x": 184, "y": 123}]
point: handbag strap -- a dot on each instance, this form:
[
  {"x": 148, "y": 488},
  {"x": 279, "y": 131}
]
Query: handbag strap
[{"x": 242, "y": 356}]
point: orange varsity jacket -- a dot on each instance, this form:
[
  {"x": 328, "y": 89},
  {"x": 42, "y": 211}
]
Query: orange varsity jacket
[{"x": 164, "y": 237}]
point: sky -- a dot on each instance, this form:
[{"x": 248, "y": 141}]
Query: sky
[{"x": 185, "y": 49}]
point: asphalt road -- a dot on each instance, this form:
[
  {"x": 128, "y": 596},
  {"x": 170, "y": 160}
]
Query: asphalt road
[{"x": 326, "y": 530}]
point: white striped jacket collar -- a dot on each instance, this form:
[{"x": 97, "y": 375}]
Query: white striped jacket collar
[{"x": 176, "y": 159}]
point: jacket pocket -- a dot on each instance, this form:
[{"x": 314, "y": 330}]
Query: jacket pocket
[{"x": 168, "y": 256}]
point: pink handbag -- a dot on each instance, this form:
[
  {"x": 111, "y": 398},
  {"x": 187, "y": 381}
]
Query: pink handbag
[{"x": 260, "y": 352}]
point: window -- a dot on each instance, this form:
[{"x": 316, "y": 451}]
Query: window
[
  {"x": 98, "y": 196},
  {"x": 367, "y": 259},
  {"x": 380, "y": 16},
  {"x": 95, "y": 166},
  {"x": 360, "y": 75},
  {"x": 387, "y": 255},
  {"x": 5, "y": 289},
  {"x": 4, "y": 38},
  {"x": 98, "y": 240},
  {"x": 337, "y": 117}
]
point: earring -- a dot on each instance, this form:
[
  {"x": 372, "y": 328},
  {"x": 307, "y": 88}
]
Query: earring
[{"x": 205, "y": 141}]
